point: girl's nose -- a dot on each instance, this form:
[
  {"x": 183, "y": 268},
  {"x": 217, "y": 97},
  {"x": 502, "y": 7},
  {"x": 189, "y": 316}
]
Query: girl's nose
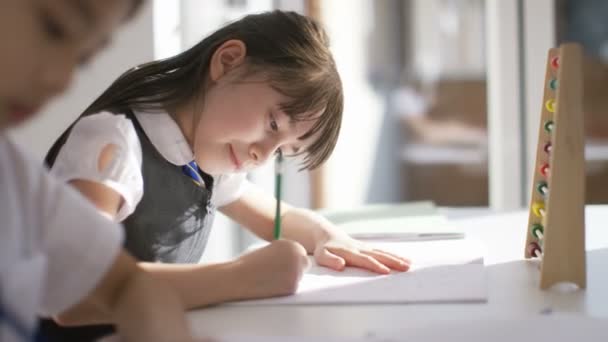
[
  {"x": 254, "y": 154},
  {"x": 259, "y": 153}
]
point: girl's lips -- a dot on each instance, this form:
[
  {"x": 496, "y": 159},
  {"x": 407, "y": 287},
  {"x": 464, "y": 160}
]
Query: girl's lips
[{"x": 235, "y": 160}]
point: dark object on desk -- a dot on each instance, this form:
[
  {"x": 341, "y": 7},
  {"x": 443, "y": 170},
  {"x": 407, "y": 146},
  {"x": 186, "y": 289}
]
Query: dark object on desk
[{"x": 53, "y": 332}]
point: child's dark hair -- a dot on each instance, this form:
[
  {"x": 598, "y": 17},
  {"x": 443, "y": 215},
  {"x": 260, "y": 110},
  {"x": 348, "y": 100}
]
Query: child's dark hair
[{"x": 291, "y": 50}]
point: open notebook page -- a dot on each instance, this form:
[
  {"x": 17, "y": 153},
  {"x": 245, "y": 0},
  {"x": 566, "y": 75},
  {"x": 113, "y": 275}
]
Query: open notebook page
[{"x": 442, "y": 271}]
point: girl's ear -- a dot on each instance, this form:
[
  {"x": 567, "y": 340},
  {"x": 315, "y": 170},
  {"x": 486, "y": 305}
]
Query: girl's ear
[{"x": 227, "y": 57}]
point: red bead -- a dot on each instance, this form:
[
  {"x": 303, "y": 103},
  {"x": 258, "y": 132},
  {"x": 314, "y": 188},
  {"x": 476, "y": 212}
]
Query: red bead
[
  {"x": 555, "y": 62},
  {"x": 534, "y": 249},
  {"x": 544, "y": 170}
]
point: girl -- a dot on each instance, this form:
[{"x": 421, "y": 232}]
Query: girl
[
  {"x": 262, "y": 84},
  {"x": 55, "y": 249}
]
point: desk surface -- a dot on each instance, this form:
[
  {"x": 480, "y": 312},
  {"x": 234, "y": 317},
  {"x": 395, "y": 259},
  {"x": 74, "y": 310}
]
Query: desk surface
[{"x": 512, "y": 290}]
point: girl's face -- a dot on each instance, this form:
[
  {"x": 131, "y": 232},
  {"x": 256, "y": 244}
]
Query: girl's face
[
  {"x": 241, "y": 126},
  {"x": 43, "y": 41},
  {"x": 240, "y": 122}
]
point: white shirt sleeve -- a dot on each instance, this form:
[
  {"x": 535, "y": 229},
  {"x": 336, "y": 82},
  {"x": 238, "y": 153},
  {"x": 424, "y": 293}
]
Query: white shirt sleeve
[
  {"x": 228, "y": 188},
  {"x": 75, "y": 243},
  {"x": 79, "y": 157}
]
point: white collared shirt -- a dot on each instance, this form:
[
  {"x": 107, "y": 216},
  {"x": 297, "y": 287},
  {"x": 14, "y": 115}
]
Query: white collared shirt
[
  {"x": 54, "y": 245},
  {"x": 79, "y": 157}
]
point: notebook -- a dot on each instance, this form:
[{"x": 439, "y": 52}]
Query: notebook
[{"x": 443, "y": 271}]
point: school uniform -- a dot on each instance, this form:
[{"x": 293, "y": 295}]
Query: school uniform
[
  {"x": 166, "y": 213},
  {"x": 54, "y": 245}
]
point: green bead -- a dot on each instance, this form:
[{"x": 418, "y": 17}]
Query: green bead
[
  {"x": 542, "y": 188},
  {"x": 536, "y": 229},
  {"x": 549, "y": 126},
  {"x": 553, "y": 84}
]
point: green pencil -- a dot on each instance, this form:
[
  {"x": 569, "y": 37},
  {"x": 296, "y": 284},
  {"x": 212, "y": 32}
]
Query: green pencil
[{"x": 278, "y": 179}]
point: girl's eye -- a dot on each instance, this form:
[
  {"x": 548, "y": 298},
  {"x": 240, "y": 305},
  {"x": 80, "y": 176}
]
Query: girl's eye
[{"x": 273, "y": 124}]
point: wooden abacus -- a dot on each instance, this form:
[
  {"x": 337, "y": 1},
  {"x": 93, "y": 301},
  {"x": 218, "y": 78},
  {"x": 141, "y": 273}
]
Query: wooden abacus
[{"x": 556, "y": 224}]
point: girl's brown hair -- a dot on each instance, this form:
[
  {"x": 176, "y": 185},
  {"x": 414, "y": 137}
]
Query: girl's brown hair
[{"x": 291, "y": 50}]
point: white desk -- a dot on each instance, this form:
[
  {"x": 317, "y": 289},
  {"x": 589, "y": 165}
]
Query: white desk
[{"x": 512, "y": 281}]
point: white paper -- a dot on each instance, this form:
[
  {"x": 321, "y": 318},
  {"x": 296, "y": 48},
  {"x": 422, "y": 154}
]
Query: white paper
[
  {"x": 381, "y": 211},
  {"x": 396, "y": 225},
  {"x": 442, "y": 271}
]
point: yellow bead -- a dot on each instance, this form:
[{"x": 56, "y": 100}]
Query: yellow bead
[
  {"x": 538, "y": 209},
  {"x": 550, "y": 105}
]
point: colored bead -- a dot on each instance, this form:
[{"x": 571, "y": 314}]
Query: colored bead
[
  {"x": 542, "y": 188},
  {"x": 555, "y": 62},
  {"x": 544, "y": 170},
  {"x": 538, "y": 208},
  {"x": 547, "y": 147},
  {"x": 537, "y": 231},
  {"x": 549, "y": 126},
  {"x": 534, "y": 250},
  {"x": 550, "y": 105},
  {"x": 553, "y": 84}
]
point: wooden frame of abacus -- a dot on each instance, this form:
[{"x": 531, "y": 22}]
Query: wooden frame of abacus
[{"x": 556, "y": 223}]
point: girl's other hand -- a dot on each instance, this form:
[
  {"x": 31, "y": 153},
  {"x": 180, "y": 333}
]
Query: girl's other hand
[{"x": 336, "y": 250}]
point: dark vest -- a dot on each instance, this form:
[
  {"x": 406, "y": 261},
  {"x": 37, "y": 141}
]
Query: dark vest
[{"x": 171, "y": 223}]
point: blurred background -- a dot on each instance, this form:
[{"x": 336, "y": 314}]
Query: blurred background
[{"x": 442, "y": 96}]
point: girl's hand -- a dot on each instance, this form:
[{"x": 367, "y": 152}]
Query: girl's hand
[
  {"x": 273, "y": 270},
  {"x": 337, "y": 250}
]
